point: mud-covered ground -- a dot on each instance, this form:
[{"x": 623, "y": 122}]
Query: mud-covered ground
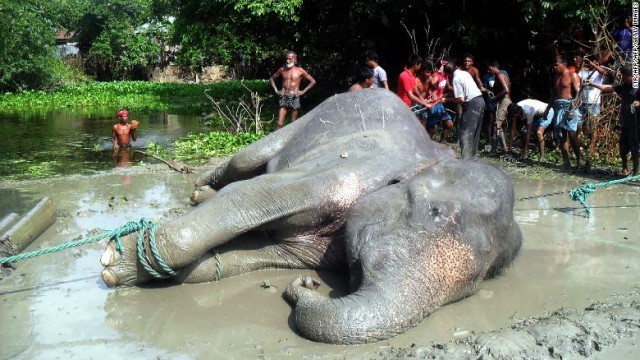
[{"x": 572, "y": 293}]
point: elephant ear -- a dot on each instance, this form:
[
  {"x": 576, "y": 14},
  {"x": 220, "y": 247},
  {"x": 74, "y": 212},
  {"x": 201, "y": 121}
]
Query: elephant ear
[
  {"x": 480, "y": 188},
  {"x": 473, "y": 199}
]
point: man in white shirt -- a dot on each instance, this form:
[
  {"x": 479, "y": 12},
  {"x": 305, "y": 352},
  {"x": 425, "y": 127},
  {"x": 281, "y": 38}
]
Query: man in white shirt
[
  {"x": 532, "y": 111},
  {"x": 590, "y": 101},
  {"x": 466, "y": 92}
]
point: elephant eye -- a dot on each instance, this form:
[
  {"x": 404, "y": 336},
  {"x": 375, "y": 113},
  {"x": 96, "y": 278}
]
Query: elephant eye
[
  {"x": 394, "y": 181},
  {"x": 435, "y": 212}
]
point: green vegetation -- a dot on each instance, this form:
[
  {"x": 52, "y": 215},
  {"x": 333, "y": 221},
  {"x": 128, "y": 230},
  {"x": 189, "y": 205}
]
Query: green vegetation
[
  {"x": 135, "y": 95},
  {"x": 119, "y": 39},
  {"x": 27, "y": 30},
  {"x": 212, "y": 144},
  {"x": 124, "y": 40}
]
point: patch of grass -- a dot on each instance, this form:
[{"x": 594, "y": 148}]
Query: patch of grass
[
  {"x": 43, "y": 169},
  {"x": 198, "y": 147},
  {"x": 134, "y": 95}
]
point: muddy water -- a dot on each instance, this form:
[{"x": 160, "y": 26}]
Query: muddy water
[
  {"x": 72, "y": 141},
  {"x": 56, "y": 306}
]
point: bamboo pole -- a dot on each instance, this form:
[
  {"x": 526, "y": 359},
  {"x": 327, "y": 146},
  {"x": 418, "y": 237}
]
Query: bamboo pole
[
  {"x": 8, "y": 221},
  {"x": 30, "y": 226}
]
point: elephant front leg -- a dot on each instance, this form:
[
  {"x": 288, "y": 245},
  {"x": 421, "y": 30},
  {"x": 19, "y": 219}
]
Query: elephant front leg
[
  {"x": 251, "y": 161},
  {"x": 264, "y": 202}
]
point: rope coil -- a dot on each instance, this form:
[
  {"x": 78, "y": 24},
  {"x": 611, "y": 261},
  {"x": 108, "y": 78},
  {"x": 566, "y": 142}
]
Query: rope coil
[
  {"x": 151, "y": 227},
  {"x": 143, "y": 226}
]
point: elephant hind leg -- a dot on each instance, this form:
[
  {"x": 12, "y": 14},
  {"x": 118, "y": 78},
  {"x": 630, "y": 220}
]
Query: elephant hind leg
[
  {"x": 253, "y": 252},
  {"x": 215, "y": 266},
  {"x": 118, "y": 266}
]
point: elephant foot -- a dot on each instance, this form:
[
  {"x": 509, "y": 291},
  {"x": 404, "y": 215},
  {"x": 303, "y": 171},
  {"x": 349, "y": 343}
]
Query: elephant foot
[
  {"x": 123, "y": 268},
  {"x": 201, "y": 194},
  {"x": 299, "y": 286}
]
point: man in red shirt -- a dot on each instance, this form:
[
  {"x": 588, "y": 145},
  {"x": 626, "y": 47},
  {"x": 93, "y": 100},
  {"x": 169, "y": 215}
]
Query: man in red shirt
[{"x": 407, "y": 80}]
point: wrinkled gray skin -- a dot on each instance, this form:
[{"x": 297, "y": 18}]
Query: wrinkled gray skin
[{"x": 356, "y": 185}]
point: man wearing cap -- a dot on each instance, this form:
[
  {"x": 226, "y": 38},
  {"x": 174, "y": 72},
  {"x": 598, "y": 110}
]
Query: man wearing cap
[{"x": 123, "y": 132}]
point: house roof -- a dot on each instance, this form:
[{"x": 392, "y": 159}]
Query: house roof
[{"x": 64, "y": 35}]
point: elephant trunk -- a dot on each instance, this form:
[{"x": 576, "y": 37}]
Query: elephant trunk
[{"x": 374, "y": 312}]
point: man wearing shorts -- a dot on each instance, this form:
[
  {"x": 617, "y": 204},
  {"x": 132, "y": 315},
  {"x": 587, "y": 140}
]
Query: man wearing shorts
[
  {"x": 430, "y": 89},
  {"x": 290, "y": 93},
  {"x": 534, "y": 113},
  {"x": 501, "y": 90},
  {"x": 566, "y": 85}
]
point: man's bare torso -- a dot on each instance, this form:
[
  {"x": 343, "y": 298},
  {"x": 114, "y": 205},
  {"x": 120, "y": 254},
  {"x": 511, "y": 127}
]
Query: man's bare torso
[
  {"x": 123, "y": 134},
  {"x": 291, "y": 80},
  {"x": 563, "y": 85},
  {"x": 502, "y": 84}
]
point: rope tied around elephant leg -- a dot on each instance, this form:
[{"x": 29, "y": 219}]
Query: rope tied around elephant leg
[
  {"x": 149, "y": 228},
  {"x": 218, "y": 266},
  {"x": 142, "y": 227}
]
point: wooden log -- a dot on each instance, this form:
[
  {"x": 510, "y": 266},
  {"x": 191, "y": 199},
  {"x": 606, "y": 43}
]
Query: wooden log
[
  {"x": 8, "y": 221},
  {"x": 31, "y": 225}
]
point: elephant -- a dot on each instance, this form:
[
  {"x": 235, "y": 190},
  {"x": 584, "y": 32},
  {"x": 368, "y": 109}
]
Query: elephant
[{"x": 355, "y": 186}]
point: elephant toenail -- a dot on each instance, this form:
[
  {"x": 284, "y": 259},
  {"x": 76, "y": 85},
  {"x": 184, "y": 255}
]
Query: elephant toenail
[
  {"x": 107, "y": 257},
  {"x": 109, "y": 278}
]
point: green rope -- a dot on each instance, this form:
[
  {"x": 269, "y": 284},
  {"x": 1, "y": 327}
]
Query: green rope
[
  {"x": 168, "y": 272},
  {"x": 218, "y": 266},
  {"x": 141, "y": 227},
  {"x": 580, "y": 194}
]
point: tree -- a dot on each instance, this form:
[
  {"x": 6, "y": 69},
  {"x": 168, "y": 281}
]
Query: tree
[
  {"x": 117, "y": 38},
  {"x": 230, "y": 32},
  {"x": 27, "y": 36}
]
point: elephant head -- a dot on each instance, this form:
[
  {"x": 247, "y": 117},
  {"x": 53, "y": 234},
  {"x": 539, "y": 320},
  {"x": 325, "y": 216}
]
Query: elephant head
[{"x": 412, "y": 247}]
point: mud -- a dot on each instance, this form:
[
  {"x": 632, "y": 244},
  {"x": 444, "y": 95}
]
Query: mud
[{"x": 572, "y": 293}]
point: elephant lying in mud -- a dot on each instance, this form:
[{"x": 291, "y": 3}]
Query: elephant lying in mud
[{"x": 356, "y": 186}]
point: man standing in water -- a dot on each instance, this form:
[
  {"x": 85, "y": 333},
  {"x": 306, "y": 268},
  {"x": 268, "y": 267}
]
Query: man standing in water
[
  {"x": 123, "y": 132},
  {"x": 290, "y": 93},
  {"x": 121, "y": 137}
]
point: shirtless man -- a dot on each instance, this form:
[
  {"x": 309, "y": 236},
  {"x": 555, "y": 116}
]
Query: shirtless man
[
  {"x": 566, "y": 84},
  {"x": 430, "y": 89},
  {"x": 123, "y": 132},
  {"x": 502, "y": 98},
  {"x": 468, "y": 66},
  {"x": 364, "y": 79},
  {"x": 290, "y": 93}
]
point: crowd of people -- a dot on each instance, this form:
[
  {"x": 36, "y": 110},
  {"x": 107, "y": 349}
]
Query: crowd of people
[{"x": 448, "y": 94}]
